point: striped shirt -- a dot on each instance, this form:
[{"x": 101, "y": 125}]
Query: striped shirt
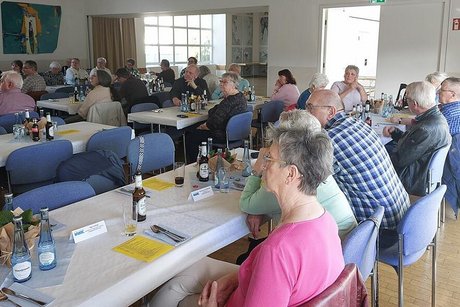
[
  {"x": 451, "y": 112},
  {"x": 364, "y": 172}
]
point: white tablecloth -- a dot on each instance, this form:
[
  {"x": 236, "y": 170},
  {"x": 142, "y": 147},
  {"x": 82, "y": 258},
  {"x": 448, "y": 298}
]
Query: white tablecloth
[{"x": 62, "y": 104}]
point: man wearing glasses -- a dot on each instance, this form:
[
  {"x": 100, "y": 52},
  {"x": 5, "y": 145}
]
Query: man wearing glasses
[
  {"x": 415, "y": 147},
  {"x": 449, "y": 98},
  {"x": 190, "y": 82},
  {"x": 362, "y": 167}
]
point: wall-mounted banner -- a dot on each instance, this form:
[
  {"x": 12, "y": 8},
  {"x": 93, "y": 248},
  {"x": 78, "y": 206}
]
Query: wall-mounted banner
[{"x": 30, "y": 28}]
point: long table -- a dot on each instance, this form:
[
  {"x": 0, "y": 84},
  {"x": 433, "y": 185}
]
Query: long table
[
  {"x": 77, "y": 133},
  {"x": 99, "y": 276},
  {"x": 61, "y": 104}
]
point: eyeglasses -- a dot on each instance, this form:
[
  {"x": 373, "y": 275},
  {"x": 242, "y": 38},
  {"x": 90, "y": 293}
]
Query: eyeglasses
[
  {"x": 406, "y": 99},
  {"x": 225, "y": 81},
  {"x": 441, "y": 90},
  {"x": 310, "y": 106},
  {"x": 268, "y": 159}
]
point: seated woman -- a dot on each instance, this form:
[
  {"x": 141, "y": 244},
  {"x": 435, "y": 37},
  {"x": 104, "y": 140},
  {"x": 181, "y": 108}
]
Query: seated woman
[
  {"x": 286, "y": 89},
  {"x": 242, "y": 83},
  {"x": 211, "y": 79},
  {"x": 298, "y": 260},
  {"x": 257, "y": 202},
  {"x": 350, "y": 91},
  {"x": 232, "y": 104},
  {"x": 102, "y": 91},
  {"x": 318, "y": 81}
]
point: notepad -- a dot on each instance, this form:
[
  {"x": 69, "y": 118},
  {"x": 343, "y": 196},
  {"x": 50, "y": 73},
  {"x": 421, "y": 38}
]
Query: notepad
[
  {"x": 65, "y": 132},
  {"x": 193, "y": 114},
  {"x": 142, "y": 248},
  {"x": 157, "y": 184}
]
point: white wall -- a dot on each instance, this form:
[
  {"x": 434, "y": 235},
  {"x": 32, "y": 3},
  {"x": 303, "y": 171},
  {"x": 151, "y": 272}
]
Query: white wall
[{"x": 72, "y": 41}]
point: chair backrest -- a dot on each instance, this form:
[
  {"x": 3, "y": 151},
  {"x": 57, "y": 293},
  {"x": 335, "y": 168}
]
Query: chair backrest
[
  {"x": 54, "y": 195},
  {"x": 158, "y": 152},
  {"x": 116, "y": 140},
  {"x": 420, "y": 222},
  {"x": 270, "y": 111},
  {"x": 250, "y": 108},
  {"x": 36, "y": 95},
  {"x": 146, "y": 106},
  {"x": 402, "y": 86},
  {"x": 167, "y": 104},
  {"x": 2, "y": 130},
  {"x": 7, "y": 121},
  {"x": 238, "y": 129},
  {"x": 65, "y": 89},
  {"x": 162, "y": 97},
  {"x": 436, "y": 168},
  {"x": 107, "y": 113},
  {"x": 55, "y": 95},
  {"x": 34, "y": 166},
  {"x": 58, "y": 120},
  {"x": 360, "y": 246},
  {"x": 347, "y": 290}
]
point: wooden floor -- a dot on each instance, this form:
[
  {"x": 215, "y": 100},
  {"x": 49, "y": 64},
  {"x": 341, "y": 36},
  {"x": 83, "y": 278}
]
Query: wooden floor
[{"x": 417, "y": 279}]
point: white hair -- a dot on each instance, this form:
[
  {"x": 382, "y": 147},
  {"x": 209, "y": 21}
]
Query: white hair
[
  {"x": 423, "y": 92},
  {"x": 318, "y": 80},
  {"x": 436, "y": 78},
  {"x": 55, "y": 64},
  {"x": 13, "y": 77}
]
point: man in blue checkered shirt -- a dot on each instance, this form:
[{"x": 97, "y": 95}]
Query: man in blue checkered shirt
[{"x": 362, "y": 167}]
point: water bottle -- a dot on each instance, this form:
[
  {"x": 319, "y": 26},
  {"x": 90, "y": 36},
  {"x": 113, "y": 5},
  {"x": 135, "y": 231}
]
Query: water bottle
[
  {"x": 20, "y": 259},
  {"x": 219, "y": 169},
  {"x": 247, "y": 170},
  {"x": 253, "y": 94},
  {"x": 46, "y": 245}
]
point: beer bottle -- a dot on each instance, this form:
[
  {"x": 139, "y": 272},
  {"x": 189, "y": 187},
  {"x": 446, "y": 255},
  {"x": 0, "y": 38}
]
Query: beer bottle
[
  {"x": 46, "y": 245},
  {"x": 49, "y": 128},
  {"x": 35, "y": 131},
  {"x": 203, "y": 164},
  {"x": 139, "y": 198},
  {"x": 20, "y": 259}
]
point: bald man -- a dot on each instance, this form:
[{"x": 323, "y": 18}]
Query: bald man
[
  {"x": 189, "y": 82},
  {"x": 362, "y": 167}
]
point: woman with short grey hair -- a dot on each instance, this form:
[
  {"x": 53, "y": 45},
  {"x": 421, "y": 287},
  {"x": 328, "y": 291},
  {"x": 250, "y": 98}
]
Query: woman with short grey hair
[
  {"x": 318, "y": 81},
  {"x": 54, "y": 76}
]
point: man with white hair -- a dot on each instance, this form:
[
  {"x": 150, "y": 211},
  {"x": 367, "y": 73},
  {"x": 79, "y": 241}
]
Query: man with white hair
[
  {"x": 54, "y": 76},
  {"x": 449, "y": 98},
  {"x": 190, "y": 82},
  {"x": 416, "y": 146},
  {"x": 11, "y": 98},
  {"x": 100, "y": 64}
]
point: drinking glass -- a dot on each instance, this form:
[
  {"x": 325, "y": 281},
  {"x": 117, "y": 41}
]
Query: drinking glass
[
  {"x": 129, "y": 218},
  {"x": 18, "y": 131},
  {"x": 71, "y": 98},
  {"x": 179, "y": 173}
]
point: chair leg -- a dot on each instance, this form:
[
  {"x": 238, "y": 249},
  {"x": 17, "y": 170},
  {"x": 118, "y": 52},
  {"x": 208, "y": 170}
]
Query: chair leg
[
  {"x": 185, "y": 150},
  {"x": 443, "y": 210},
  {"x": 400, "y": 271},
  {"x": 433, "y": 272}
]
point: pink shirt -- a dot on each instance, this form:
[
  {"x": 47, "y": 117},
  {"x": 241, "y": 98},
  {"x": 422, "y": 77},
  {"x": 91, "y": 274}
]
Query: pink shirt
[
  {"x": 288, "y": 93},
  {"x": 294, "y": 264},
  {"x": 13, "y": 101}
]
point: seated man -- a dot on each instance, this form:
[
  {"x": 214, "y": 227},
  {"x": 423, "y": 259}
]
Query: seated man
[
  {"x": 188, "y": 83},
  {"x": 131, "y": 89},
  {"x": 191, "y": 60},
  {"x": 11, "y": 98},
  {"x": 33, "y": 81},
  {"x": 100, "y": 64},
  {"x": 54, "y": 76},
  {"x": 416, "y": 146},
  {"x": 449, "y": 98},
  {"x": 131, "y": 67},
  {"x": 75, "y": 72},
  {"x": 167, "y": 74},
  {"x": 362, "y": 166}
]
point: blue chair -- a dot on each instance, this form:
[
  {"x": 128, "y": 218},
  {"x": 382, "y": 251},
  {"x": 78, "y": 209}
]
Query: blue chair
[
  {"x": 158, "y": 152},
  {"x": 167, "y": 104},
  {"x": 65, "y": 89},
  {"x": 116, "y": 140},
  {"x": 2, "y": 130},
  {"x": 162, "y": 97},
  {"x": 250, "y": 108},
  {"x": 269, "y": 113},
  {"x": 238, "y": 129},
  {"x": 35, "y": 166},
  {"x": 146, "y": 106},
  {"x": 361, "y": 247},
  {"x": 54, "y": 196},
  {"x": 7, "y": 121},
  {"x": 451, "y": 175},
  {"x": 414, "y": 233},
  {"x": 58, "y": 120},
  {"x": 55, "y": 95}
]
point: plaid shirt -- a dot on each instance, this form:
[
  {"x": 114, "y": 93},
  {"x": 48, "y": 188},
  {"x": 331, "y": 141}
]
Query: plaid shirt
[
  {"x": 364, "y": 172},
  {"x": 451, "y": 112},
  {"x": 33, "y": 83}
]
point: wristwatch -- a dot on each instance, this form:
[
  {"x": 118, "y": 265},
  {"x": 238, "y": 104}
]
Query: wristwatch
[{"x": 256, "y": 174}]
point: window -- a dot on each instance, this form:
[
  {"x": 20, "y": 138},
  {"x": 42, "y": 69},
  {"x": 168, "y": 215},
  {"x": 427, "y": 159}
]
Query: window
[{"x": 176, "y": 38}]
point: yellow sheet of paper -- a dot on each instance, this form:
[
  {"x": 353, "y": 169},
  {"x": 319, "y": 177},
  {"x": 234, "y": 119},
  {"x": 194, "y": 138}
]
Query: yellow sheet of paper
[
  {"x": 70, "y": 131},
  {"x": 143, "y": 249},
  {"x": 157, "y": 184},
  {"x": 192, "y": 114}
]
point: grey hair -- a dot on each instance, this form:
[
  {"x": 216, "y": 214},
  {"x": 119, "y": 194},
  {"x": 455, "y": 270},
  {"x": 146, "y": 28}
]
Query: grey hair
[
  {"x": 311, "y": 152},
  {"x": 299, "y": 120},
  {"x": 204, "y": 70},
  {"x": 353, "y": 67},
  {"x": 233, "y": 77},
  {"x": 454, "y": 85},
  {"x": 423, "y": 92},
  {"x": 236, "y": 68},
  {"x": 318, "y": 80},
  {"x": 436, "y": 78},
  {"x": 13, "y": 77},
  {"x": 55, "y": 64},
  {"x": 101, "y": 59}
]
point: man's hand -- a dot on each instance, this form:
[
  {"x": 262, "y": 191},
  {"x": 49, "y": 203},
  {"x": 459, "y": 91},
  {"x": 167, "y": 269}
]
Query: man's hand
[
  {"x": 254, "y": 222},
  {"x": 176, "y": 101},
  {"x": 191, "y": 83},
  {"x": 202, "y": 127},
  {"x": 387, "y": 131}
]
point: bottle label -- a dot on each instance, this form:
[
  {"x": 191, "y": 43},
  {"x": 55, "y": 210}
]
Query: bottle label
[
  {"x": 35, "y": 129},
  {"x": 138, "y": 182},
  {"x": 22, "y": 270},
  {"x": 204, "y": 170},
  {"x": 141, "y": 206},
  {"x": 51, "y": 131},
  {"x": 46, "y": 258}
]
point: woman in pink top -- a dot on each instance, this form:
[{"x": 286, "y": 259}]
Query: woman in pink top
[
  {"x": 286, "y": 89},
  {"x": 298, "y": 260}
]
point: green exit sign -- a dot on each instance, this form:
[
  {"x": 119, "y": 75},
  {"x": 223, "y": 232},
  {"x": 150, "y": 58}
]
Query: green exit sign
[{"x": 377, "y": 1}]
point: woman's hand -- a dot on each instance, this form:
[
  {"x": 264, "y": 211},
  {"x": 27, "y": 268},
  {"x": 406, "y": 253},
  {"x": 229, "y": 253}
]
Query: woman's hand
[
  {"x": 387, "y": 131},
  {"x": 202, "y": 127},
  {"x": 218, "y": 292},
  {"x": 208, "y": 296},
  {"x": 254, "y": 222},
  {"x": 259, "y": 165}
]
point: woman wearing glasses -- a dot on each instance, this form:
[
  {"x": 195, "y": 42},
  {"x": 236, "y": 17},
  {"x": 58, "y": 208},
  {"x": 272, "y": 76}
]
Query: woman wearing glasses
[{"x": 298, "y": 260}]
